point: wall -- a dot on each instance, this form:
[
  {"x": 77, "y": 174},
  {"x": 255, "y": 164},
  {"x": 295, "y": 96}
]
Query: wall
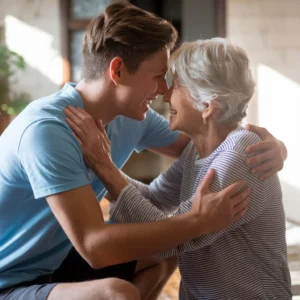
[
  {"x": 32, "y": 29},
  {"x": 198, "y": 19},
  {"x": 269, "y": 31}
]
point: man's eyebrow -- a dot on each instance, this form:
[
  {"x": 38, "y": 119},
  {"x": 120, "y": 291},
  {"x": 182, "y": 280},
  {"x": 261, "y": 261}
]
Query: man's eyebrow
[{"x": 163, "y": 71}]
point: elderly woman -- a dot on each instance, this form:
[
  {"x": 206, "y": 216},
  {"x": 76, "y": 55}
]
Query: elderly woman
[{"x": 212, "y": 86}]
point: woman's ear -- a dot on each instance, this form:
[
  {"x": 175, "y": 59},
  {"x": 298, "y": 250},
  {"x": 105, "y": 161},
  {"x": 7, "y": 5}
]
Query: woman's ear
[
  {"x": 115, "y": 68},
  {"x": 210, "y": 108}
]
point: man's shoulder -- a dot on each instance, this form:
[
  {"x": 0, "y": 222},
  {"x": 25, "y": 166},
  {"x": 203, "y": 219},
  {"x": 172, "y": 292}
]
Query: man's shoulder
[
  {"x": 47, "y": 131},
  {"x": 45, "y": 116}
]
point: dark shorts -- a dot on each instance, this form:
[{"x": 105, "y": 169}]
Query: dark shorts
[{"x": 73, "y": 269}]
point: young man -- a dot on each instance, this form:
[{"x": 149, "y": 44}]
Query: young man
[{"x": 54, "y": 243}]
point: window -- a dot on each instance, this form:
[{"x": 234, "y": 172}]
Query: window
[{"x": 75, "y": 15}]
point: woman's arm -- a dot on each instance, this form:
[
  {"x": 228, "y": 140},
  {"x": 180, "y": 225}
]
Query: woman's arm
[{"x": 164, "y": 191}]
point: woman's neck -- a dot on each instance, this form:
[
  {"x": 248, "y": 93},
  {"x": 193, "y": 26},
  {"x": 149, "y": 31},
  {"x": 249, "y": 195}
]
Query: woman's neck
[
  {"x": 98, "y": 101},
  {"x": 210, "y": 138}
]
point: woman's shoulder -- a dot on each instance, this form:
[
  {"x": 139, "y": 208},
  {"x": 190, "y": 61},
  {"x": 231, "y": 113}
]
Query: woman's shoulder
[{"x": 239, "y": 140}]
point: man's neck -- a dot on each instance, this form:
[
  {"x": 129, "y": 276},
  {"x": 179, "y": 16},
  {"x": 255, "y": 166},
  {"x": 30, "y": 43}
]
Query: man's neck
[{"x": 98, "y": 100}]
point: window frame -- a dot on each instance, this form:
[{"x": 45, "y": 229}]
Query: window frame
[{"x": 68, "y": 25}]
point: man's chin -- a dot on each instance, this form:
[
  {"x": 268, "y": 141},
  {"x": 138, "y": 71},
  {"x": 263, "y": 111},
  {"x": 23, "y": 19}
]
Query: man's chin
[{"x": 137, "y": 116}]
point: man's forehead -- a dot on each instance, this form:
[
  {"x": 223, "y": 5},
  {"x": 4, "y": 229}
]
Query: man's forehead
[{"x": 158, "y": 62}]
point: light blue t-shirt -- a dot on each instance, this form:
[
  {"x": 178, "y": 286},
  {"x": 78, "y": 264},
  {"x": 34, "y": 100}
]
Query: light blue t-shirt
[{"x": 39, "y": 156}]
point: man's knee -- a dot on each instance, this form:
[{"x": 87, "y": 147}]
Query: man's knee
[{"x": 122, "y": 290}]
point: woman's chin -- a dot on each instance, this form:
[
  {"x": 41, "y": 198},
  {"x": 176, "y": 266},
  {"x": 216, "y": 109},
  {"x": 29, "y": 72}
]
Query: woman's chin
[{"x": 172, "y": 125}]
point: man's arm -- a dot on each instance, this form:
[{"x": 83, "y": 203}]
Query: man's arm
[
  {"x": 271, "y": 160},
  {"x": 173, "y": 150},
  {"x": 271, "y": 153},
  {"x": 55, "y": 170},
  {"x": 101, "y": 244}
]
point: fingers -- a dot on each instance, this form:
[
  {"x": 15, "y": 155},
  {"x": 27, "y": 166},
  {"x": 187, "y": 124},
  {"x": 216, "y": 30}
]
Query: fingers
[
  {"x": 100, "y": 126},
  {"x": 102, "y": 130},
  {"x": 105, "y": 139},
  {"x": 77, "y": 130},
  {"x": 240, "y": 214},
  {"x": 268, "y": 174},
  {"x": 241, "y": 206},
  {"x": 261, "y": 146},
  {"x": 72, "y": 114},
  {"x": 81, "y": 113},
  {"x": 89, "y": 132},
  {"x": 259, "y": 158},
  {"x": 240, "y": 197},
  {"x": 205, "y": 183},
  {"x": 266, "y": 166},
  {"x": 262, "y": 132},
  {"x": 240, "y": 209}
]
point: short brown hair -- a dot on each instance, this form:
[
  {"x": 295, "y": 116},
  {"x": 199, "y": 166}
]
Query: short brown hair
[{"x": 126, "y": 31}]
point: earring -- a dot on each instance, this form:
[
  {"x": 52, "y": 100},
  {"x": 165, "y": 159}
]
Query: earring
[{"x": 204, "y": 121}]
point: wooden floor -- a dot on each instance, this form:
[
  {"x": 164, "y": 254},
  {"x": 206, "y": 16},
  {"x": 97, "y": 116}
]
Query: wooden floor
[{"x": 170, "y": 291}]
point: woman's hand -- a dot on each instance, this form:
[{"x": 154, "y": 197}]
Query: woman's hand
[
  {"x": 272, "y": 153},
  {"x": 95, "y": 147},
  {"x": 92, "y": 138}
]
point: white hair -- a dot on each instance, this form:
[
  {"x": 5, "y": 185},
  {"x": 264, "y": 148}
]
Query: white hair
[{"x": 215, "y": 69}]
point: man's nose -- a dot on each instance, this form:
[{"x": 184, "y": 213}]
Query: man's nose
[{"x": 162, "y": 87}]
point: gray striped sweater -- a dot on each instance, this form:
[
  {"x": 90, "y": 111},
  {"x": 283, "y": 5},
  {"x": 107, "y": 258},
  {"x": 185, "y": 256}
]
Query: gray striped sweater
[{"x": 248, "y": 260}]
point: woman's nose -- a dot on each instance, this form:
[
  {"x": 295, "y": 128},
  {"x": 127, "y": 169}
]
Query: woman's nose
[{"x": 166, "y": 97}]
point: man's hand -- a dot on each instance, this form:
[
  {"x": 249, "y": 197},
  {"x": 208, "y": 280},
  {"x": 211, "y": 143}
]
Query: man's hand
[
  {"x": 219, "y": 210},
  {"x": 272, "y": 153}
]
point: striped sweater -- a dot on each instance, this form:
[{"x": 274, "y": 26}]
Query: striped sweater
[{"x": 248, "y": 260}]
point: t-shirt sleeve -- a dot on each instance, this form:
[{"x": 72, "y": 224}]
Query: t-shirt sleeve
[
  {"x": 156, "y": 132},
  {"x": 51, "y": 159}
]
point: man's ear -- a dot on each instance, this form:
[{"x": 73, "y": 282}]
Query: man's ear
[{"x": 116, "y": 67}]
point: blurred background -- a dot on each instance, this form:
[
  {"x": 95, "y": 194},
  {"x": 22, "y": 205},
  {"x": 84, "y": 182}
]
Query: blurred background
[{"x": 40, "y": 50}]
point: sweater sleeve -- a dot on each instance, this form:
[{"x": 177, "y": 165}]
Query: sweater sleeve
[
  {"x": 229, "y": 166},
  {"x": 164, "y": 191}
]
